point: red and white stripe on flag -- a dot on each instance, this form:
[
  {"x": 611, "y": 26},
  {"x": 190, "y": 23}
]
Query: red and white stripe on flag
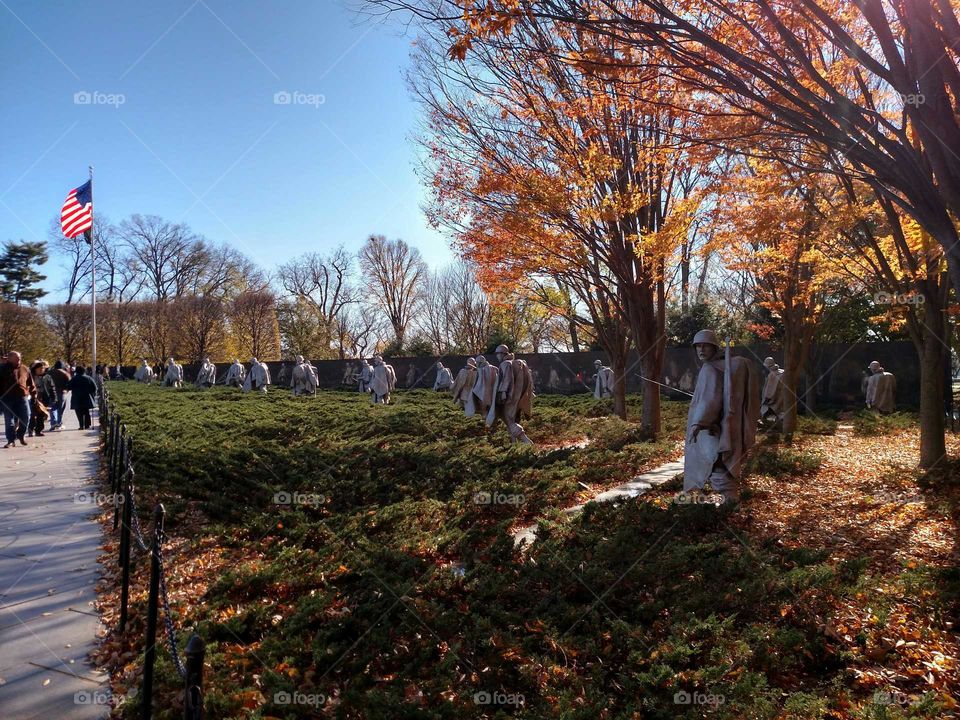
[{"x": 76, "y": 216}]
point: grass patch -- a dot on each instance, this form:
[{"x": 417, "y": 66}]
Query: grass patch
[
  {"x": 394, "y": 593},
  {"x": 777, "y": 461},
  {"x": 816, "y": 425},
  {"x": 869, "y": 424}
]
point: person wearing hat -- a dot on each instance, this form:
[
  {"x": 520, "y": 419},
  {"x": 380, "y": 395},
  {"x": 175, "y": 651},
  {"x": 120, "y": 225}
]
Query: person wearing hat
[
  {"x": 722, "y": 421},
  {"x": 772, "y": 397},
  {"x": 514, "y": 395},
  {"x": 603, "y": 381},
  {"x": 304, "y": 379},
  {"x": 483, "y": 394},
  {"x": 236, "y": 374},
  {"x": 444, "y": 379},
  {"x": 463, "y": 387},
  {"x": 364, "y": 376},
  {"x": 174, "y": 374},
  {"x": 207, "y": 375},
  {"x": 144, "y": 373},
  {"x": 881, "y": 389},
  {"x": 383, "y": 382},
  {"x": 258, "y": 377}
]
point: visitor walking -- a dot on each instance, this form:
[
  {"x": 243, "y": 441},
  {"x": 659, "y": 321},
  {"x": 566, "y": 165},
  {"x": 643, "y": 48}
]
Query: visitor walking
[
  {"x": 39, "y": 406},
  {"x": 16, "y": 392},
  {"x": 60, "y": 376},
  {"x": 83, "y": 398}
]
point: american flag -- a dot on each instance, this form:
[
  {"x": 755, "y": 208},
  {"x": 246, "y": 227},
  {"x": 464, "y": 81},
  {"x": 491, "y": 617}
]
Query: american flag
[{"x": 76, "y": 216}]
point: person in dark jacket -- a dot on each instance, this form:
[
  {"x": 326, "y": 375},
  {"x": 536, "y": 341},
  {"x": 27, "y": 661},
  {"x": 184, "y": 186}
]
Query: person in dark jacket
[
  {"x": 16, "y": 393},
  {"x": 39, "y": 411},
  {"x": 61, "y": 376},
  {"x": 83, "y": 397}
]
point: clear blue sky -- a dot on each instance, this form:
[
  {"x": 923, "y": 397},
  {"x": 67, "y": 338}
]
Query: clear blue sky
[{"x": 198, "y": 137}]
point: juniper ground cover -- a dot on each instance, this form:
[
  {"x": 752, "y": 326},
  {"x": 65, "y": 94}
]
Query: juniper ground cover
[{"x": 346, "y": 560}]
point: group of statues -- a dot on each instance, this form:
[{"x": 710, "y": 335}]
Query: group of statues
[
  {"x": 255, "y": 379},
  {"x": 379, "y": 379},
  {"x": 504, "y": 392},
  {"x": 879, "y": 388},
  {"x": 172, "y": 374},
  {"x": 728, "y": 407}
]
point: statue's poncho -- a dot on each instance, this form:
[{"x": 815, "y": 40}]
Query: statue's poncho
[
  {"x": 484, "y": 388},
  {"x": 882, "y": 392},
  {"x": 463, "y": 389},
  {"x": 304, "y": 380},
  {"x": 207, "y": 375},
  {"x": 773, "y": 398},
  {"x": 144, "y": 373},
  {"x": 514, "y": 396},
  {"x": 719, "y": 451},
  {"x": 235, "y": 375},
  {"x": 603, "y": 385},
  {"x": 364, "y": 377},
  {"x": 444, "y": 379},
  {"x": 257, "y": 378},
  {"x": 174, "y": 374},
  {"x": 383, "y": 382}
]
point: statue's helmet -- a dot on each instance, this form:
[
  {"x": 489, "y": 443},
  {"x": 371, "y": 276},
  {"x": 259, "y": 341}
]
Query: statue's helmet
[
  {"x": 170, "y": 361},
  {"x": 706, "y": 337},
  {"x": 471, "y": 363},
  {"x": 769, "y": 362},
  {"x": 598, "y": 363},
  {"x": 299, "y": 359},
  {"x": 481, "y": 360},
  {"x": 253, "y": 360},
  {"x": 502, "y": 349},
  {"x": 439, "y": 364},
  {"x": 874, "y": 366}
]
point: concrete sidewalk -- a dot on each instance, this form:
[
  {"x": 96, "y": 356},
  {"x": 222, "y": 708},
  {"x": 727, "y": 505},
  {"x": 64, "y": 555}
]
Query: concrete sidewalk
[
  {"x": 49, "y": 543},
  {"x": 637, "y": 486}
]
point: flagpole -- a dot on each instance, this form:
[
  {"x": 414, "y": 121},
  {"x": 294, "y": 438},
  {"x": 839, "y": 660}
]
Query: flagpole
[{"x": 93, "y": 283}]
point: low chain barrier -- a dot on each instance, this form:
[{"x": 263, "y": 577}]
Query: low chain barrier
[{"x": 117, "y": 448}]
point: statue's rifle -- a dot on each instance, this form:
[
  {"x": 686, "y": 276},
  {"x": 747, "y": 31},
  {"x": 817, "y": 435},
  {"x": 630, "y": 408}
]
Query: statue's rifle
[{"x": 669, "y": 387}]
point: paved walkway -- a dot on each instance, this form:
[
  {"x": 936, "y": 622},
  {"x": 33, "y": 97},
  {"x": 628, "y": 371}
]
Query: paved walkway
[
  {"x": 637, "y": 486},
  {"x": 48, "y": 571}
]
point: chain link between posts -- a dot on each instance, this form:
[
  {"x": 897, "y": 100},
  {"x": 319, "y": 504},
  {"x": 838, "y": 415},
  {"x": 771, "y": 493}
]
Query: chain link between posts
[{"x": 127, "y": 477}]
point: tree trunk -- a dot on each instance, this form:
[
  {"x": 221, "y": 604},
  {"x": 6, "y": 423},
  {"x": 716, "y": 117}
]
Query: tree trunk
[
  {"x": 932, "y": 442},
  {"x": 809, "y": 392},
  {"x": 620, "y": 385},
  {"x": 652, "y": 365},
  {"x": 574, "y": 336},
  {"x": 789, "y": 381},
  {"x": 685, "y": 278}
]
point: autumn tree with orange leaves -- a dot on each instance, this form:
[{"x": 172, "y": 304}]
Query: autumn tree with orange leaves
[
  {"x": 770, "y": 225},
  {"x": 540, "y": 167},
  {"x": 884, "y": 251},
  {"x": 878, "y": 83}
]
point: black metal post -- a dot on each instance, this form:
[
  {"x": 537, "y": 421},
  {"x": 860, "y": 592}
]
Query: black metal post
[
  {"x": 125, "y": 549},
  {"x": 193, "y": 691},
  {"x": 150, "y": 654},
  {"x": 123, "y": 452},
  {"x": 113, "y": 436},
  {"x": 116, "y": 446}
]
